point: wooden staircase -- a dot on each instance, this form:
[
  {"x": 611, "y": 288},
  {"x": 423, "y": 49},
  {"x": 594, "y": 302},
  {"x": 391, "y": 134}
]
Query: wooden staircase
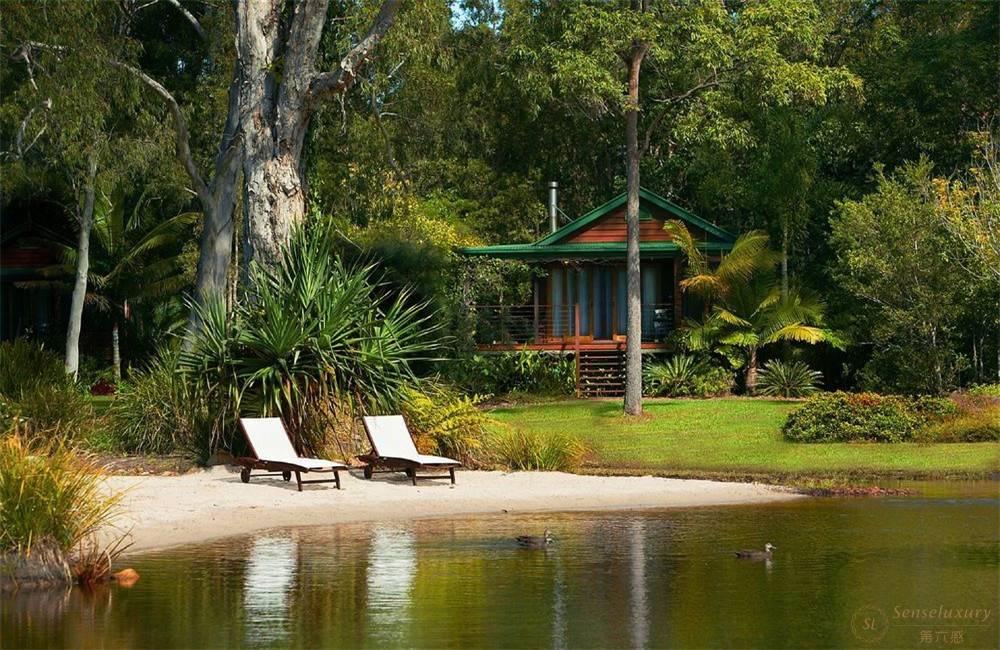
[{"x": 600, "y": 373}]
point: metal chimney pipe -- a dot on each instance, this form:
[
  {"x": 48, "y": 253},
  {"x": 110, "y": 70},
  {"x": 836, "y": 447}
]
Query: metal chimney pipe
[{"x": 553, "y": 206}]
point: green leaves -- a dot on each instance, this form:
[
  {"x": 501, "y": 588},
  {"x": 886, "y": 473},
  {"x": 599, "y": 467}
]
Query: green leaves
[{"x": 313, "y": 332}]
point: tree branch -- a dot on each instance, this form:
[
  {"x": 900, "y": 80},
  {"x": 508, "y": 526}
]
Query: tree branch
[
  {"x": 180, "y": 129},
  {"x": 337, "y": 81},
  {"x": 647, "y": 138},
  {"x": 189, "y": 16}
]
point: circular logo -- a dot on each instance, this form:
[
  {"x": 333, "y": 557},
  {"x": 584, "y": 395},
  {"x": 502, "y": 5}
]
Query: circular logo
[{"x": 869, "y": 624}]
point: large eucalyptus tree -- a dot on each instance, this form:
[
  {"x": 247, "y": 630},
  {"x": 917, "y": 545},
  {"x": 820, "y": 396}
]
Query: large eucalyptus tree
[{"x": 686, "y": 59}]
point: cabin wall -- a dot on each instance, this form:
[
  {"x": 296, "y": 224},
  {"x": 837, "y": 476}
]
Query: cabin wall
[
  {"x": 612, "y": 228},
  {"x": 599, "y": 291}
]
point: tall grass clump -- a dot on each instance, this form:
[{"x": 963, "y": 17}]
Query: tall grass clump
[
  {"x": 52, "y": 502},
  {"x": 37, "y": 396},
  {"x": 25, "y": 366},
  {"x": 313, "y": 336},
  {"x": 528, "y": 450},
  {"x": 158, "y": 410}
]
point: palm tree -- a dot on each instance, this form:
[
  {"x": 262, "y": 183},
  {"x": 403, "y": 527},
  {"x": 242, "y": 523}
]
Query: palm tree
[
  {"x": 745, "y": 309},
  {"x": 133, "y": 258}
]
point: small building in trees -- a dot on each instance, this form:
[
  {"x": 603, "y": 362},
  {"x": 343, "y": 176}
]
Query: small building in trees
[
  {"x": 579, "y": 293},
  {"x": 31, "y": 304}
]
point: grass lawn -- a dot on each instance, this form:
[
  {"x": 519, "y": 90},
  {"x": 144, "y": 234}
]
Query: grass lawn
[
  {"x": 101, "y": 403},
  {"x": 735, "y": 438}
]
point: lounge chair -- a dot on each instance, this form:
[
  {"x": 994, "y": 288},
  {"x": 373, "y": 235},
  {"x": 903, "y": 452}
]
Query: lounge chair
[
  {"x": 393, "y": 450},
  {"x": 273, "y": 452}
]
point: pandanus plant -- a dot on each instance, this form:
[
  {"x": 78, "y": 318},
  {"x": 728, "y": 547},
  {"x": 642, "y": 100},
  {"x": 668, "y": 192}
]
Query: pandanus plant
[
  {"x": 310, "y": 333},
  {"x": 746, "y": 310}
]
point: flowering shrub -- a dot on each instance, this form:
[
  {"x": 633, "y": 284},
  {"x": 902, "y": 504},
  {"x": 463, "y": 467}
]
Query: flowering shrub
[{"x": 846, "y": 417}]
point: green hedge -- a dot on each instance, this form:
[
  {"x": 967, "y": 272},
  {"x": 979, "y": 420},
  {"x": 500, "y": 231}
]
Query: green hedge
[{"x": 846, "y": 417}]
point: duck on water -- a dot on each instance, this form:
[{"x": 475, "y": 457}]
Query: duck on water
[
  {"x": 534, "y": 541},
  {"x": 757, "y": 555}
]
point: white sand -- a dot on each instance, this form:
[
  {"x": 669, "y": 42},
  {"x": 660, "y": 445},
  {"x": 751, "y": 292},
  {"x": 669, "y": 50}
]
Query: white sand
[{"x": 170, "y": 510}]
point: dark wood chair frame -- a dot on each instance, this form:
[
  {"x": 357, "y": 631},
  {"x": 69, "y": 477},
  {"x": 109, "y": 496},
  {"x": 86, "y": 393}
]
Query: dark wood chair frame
[
  {"x": 284, "y": 470},
  {"x": 388, "y": 464},
  {"x": 375, "y": 464}
]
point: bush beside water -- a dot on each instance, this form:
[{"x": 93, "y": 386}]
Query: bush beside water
[
  {"x": 52, "y": 503},
  {"x": 526, "y": 450},
  {"x": 850, "y": 417}
]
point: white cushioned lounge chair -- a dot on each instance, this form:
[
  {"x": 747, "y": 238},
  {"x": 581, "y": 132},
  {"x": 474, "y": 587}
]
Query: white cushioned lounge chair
[
  {"x": 273, "y": 452},
  {"x": 393, "y": 450}
]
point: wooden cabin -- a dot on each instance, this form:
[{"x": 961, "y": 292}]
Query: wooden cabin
[{"x": 579, "y": 300}]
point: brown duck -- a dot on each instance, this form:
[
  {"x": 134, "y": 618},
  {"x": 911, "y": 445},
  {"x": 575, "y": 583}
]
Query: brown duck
[
  {"x": 757, "y": 555},
  {"x": 533, "y": 541}
]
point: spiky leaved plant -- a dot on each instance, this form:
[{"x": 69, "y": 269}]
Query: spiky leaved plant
[{"x": 793, "y": 379}]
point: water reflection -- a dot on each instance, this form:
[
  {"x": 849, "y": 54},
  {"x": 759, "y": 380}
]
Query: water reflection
[
  {"x": 640, "y": 607},
  {"x": 639, "y": 579},
  {"x": 268, "y": 589},
  {"x": 392, "y": 566}
]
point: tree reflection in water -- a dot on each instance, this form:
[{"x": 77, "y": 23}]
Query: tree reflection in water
[
  {"x": 392, "y": 566},
  {"x": 267, "y": 588}
]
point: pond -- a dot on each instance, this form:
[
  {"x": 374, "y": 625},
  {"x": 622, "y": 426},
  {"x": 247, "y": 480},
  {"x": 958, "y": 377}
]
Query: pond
[{"x": 877, "y": 572}]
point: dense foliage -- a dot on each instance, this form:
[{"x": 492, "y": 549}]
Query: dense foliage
[
  {"x": 847, "y": 417},
  {"x": 524, "y": 371},
  {"x": 684, "y": 375},
  {"x": 768, "y": 116},
  {"x": 317, "y": 339},
  {"x": 49, "y": 495}
]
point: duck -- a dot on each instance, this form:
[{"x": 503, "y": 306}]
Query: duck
[
  {"x": 533, "y": 541},
  {"x": 757, "y": 555}
]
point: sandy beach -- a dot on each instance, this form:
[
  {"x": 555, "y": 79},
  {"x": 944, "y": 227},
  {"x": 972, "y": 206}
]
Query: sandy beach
[{"x": 165, "y": 511}]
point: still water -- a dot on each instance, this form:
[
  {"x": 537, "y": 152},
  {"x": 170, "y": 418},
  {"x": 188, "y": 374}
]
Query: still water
[{"x": 847, "y": 573}]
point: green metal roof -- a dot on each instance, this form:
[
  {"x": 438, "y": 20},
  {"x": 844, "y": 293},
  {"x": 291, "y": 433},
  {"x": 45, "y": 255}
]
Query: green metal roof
[
  {"x": 550, "y": 246},
  {"x": 582, "y": 251}
]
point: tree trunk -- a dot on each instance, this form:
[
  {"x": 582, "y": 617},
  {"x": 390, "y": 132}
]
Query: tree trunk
[
  {"x": 784, "y": 260},
  {"x": 279, "y": 91},
  {"x": 633, "y": 341},
  {"x": 72, "y": 363},
  {"x": 751, "y": 374},
  {"x": 215, "y": 250},
  {"x": 116, "y": 355}
]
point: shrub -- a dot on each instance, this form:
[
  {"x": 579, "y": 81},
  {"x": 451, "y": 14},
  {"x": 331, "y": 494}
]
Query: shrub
[
  {"x": 686, "y": 376},
  {"x": 49, "y": 495},
  {"x": 158, "y": 410},
  {"x": 985, "y": 390},
  {"x": 794, "y": 379},
  {"x": 50, "y": 411},
  {"x": 844, "y": 417},
  {"x": 524, "y": 371},
  {"x": 446, "y": 423},
  {"x": 314, "y": 332},
  {"x": 523, "y": 450},
  {"x": 24, "y": 366},
  {"x": 975, "y": 418}
]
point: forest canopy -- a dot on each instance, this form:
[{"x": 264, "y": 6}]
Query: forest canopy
[{"x": 181, "y": 142}]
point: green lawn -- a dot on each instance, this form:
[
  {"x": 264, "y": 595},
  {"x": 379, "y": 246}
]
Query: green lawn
[{"x": 735, "y": 438}]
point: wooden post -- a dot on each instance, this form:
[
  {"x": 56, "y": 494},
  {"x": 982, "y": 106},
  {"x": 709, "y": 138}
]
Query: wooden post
[
  {"x": 678, "y": 298},
  {"x": 535, "y": 289},
  {"x": 576, "y": 339}
]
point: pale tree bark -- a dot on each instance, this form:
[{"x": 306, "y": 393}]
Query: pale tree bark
[
  {"x": 633, "y": 341},
  {"x": 85, "y": 218},
  {"x": 280, "y": 89},
  {"x": 217, "y": 196}
]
